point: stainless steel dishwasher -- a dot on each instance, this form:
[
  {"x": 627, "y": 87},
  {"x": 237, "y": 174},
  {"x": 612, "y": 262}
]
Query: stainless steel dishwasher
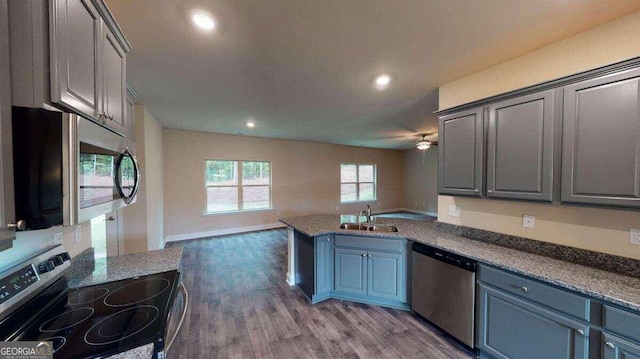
[{"x": 443, "y": 291}]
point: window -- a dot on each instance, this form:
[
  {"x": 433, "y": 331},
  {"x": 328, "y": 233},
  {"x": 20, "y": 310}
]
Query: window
[
  {"x": 230, "y": 188},
  {"x": 357, "y": 182}
]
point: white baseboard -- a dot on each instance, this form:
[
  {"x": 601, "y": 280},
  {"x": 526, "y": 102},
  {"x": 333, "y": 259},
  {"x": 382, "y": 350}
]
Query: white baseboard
[
  {"x": 222, "y": 232},
  {"x": 291, "y": 280},
  {"x": 432, "y": 214}
]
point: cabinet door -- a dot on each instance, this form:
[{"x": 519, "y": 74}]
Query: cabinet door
[
  {"x": 509, "y": 327},
  {"x": 520, "y": 148},
  {"x": 130, "y": 122},
  {"x": 385, "y": 275},
  {"x": 461, "y": 153},
  {"x": 324, "y": 264},
  {"x": 114, "y": 83},
  {"x": 350, "y": 271},
  {"x": 601, "y": 141},
  {"x": 615, "y": 348},
  {"x": 75, "y": 48}
]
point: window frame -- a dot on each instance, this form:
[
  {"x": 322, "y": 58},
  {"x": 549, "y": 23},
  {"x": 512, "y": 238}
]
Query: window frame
[
  {"x": 358, "y": 182},
  {"x": 239, "y": 188}
]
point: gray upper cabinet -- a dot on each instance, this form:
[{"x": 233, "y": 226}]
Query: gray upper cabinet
[
  {"x": 114, "y": 83},
  {"x": 520, "y": 148},
  {"x": 461, "y": 152},
  {"x": 77, "y": 63},
  {"x": 601, "y": 141},
  {"x": 75, "y": 51}
]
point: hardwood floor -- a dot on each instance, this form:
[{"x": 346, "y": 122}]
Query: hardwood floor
[{"x": 242, "y": 307}]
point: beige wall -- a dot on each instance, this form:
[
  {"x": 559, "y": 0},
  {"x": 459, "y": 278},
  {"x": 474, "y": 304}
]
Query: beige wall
[
  {"x": 604, "y": 230},
  {"x": 305, "y": 175},
  {"x": 420, "y": 180},
  {"x": 142, "y": 222}
]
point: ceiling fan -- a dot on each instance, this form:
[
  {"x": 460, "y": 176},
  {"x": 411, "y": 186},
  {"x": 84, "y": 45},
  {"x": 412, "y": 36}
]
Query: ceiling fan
[{"x": 424, "y": 143}]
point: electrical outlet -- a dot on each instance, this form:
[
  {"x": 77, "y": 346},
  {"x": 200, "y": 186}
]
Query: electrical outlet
[
  {"x": 57, "y": 238},
  {"x": 634, "y": 235},
  {"x": 78, "y": 233},
  {"x": 528, "y": 221},
  {"x": 454, "y": 211},
  {"x": 415, "y": 203},
  {"x": 278, "y": 213}
]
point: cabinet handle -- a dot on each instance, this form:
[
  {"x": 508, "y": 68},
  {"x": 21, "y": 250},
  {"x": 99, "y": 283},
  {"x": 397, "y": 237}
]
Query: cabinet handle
[
  {"x": 610, "y": 345},
  {"x": 524, "y": 289},
  {"x": 580, "y": 332}
]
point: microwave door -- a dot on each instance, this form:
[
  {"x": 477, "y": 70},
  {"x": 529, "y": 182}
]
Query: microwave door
[{"x": 127, "y": 176}]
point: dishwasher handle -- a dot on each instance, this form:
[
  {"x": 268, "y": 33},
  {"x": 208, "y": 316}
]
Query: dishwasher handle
[{"x": 444, "y": 256}]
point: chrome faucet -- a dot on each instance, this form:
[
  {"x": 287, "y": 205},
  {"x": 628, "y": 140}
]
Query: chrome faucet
[{"x": 367, "y": 214}]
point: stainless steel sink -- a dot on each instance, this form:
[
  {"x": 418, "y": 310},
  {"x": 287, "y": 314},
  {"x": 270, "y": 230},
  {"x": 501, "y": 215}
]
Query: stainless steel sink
[
  {"x": 369, "y": 227},
  {"x": 356, "y": 226},
  {"x": 383, "y": 228}
]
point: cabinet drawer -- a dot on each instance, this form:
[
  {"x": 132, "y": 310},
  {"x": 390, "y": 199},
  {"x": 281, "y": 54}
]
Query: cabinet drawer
[
  {"x": 621, "y": 322},
  {"x": 396, "y": 245},
  {"x": 544, "y": 294}
]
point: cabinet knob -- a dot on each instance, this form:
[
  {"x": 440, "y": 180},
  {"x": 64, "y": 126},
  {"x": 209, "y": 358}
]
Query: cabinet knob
[
  {"x": 610, "y": 345},
  {"x": 364, "y": 254},
  {"x": 327, "y": 239},
  {"x": 489, "y": 191},
  {"x": 369, "y": 255},
  {"x": 524, "y": 289},
  {"x": 476, "y": 190},
  {"x": 19, "y": 225},
  {"x": 580, "y": 332}
]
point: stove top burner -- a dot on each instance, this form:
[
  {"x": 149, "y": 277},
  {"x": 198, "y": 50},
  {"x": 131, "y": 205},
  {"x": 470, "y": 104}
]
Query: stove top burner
[
  {"x": 136, "y": 292},
  {"x": 58, "y": 342},
  {"x": 96, "y": 321},
  {"x": 86, "y": 295},
  {"x": 66, "y": 320},
  {"x": 121, "y": 325}
]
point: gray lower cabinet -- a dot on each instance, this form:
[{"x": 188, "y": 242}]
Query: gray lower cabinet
[
  {"x": 371, "y": 270},
  {"x": 510, "y": 328},
  {"x": 601, "y": 141},
  {"x": 461, "y": 153},
  {"x": 351, "y": 271},
  {"x": 520, "y": 148},
  {"x": 616, "y": 348}
]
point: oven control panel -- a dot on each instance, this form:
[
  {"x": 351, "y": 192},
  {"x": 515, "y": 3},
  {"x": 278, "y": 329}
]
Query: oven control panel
[
  {"x": 16, "y": 282},
  {"x": 22, "y": 281}
]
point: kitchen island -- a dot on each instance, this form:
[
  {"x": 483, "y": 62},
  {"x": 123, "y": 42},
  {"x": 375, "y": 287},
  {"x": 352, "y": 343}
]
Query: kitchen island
[{"x": 623, "y": 290}]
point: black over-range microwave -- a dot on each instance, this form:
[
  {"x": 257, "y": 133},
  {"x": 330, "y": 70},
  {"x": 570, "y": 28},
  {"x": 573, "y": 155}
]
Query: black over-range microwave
[{"x": 68, "y": 169}]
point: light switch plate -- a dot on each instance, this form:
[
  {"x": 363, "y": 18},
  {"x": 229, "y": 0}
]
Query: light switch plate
[
  {"x": 57, "y": 238},
  {"x": 528, "y": 221},
  {"x": 634, "y": 236},
  {"x": 454, "y": 211},
  {"x": 78, "y": 234}
]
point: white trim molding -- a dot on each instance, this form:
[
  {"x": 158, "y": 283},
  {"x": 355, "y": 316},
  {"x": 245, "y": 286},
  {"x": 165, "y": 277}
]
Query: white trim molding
[
  {"x": 222, "y": 232},
  {"x": 291, "y": 262}
]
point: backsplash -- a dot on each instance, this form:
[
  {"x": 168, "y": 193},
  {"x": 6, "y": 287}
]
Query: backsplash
[{"x": 608, "y": 262}]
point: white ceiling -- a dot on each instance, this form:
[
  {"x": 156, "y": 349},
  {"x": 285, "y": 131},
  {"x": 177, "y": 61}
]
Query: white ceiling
[{"x": 303, "y": 69}]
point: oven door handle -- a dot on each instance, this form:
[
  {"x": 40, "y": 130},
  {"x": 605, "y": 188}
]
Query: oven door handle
[{"x": 185, "y": 293}]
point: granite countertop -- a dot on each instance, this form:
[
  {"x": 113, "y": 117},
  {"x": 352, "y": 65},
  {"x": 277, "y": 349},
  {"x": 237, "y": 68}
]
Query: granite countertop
[
  {"x": 85, "y": 270},
  {"x": 612, "y": 287}
]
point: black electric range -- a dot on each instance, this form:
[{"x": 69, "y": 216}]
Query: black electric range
[{"x": 95, "y": 321}]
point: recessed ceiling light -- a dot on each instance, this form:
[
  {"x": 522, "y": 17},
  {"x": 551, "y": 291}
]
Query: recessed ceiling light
[
  {"x": 382, "y": 82},
  {"x": 251, "y": 124},
  {"x": 203, "y": 20}
]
